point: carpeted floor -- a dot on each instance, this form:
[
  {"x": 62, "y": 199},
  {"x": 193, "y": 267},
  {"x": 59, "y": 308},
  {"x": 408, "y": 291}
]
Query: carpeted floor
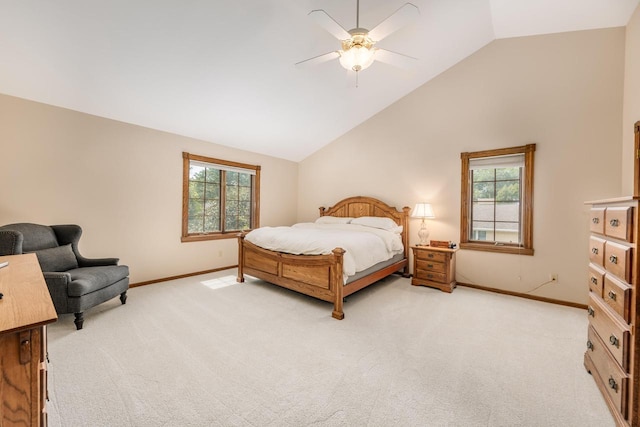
[{"x": 205, "y": 351}]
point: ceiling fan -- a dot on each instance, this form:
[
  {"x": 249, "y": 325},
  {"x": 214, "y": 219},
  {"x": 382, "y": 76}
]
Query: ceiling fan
[{"x": 358, "y": 50}]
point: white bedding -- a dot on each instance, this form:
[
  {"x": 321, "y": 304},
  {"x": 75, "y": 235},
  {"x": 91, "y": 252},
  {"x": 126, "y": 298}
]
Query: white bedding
[{"x": 364, "y": 246}]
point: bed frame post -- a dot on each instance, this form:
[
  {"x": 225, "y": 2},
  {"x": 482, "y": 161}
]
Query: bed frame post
[
  {"x": 240, "y": 277},
  {"x": 405, "y": 239},
  {"x": 338, "y": 280}
]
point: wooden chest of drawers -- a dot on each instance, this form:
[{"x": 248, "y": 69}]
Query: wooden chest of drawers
[
  {"x": 434, "y": 267},
  {"x": 613, "y": 351},
  {"x": 25, "y": 309}
]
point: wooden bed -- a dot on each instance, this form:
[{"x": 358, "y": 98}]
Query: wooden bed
[{"x": 320, "y": 276}]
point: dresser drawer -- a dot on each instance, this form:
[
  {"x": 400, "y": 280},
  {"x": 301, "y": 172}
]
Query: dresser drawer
[
  {"x": 438, "y": 267},
  {"x": 596, "y": 250},
  {"x": 431, "y": 256},
  {"x": 614, "y": 334},
  {"x": 617, "y": 260},
  {"x": 617, "y": 295},
  {"x": 431, "y": 275},
  {"x": 596, "y": 223},
  {"x": 596, "y": 279},
  {"x": 619, "y": 222},
  {"x": 614, "y": 379}
]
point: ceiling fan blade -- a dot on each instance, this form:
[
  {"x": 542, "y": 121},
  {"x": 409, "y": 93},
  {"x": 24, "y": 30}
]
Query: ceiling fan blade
[
  {"x": 323, "y": 19},
  {"x": 318, "y": 59},
  {"x": 397, "y": 20},
  {"x": 396, "y": 59}
]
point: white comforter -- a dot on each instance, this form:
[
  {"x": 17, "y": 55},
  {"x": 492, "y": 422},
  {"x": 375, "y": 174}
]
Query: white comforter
[{"x": 364, "y": 246}]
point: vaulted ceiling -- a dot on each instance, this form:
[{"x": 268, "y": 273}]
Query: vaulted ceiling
[{"x": 223, "y": 70}]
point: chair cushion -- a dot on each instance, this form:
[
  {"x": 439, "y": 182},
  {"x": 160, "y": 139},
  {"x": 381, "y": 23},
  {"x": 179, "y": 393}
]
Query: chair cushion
[
  {"x": 60, "y": 258},
  {"x": 90, "y": 279}
]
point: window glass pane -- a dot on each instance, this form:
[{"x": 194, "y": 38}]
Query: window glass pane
[
  {"x": 213, "y": 175},
  {"x": 483, "y": 211},
  {"x": 507, "y": 173},
  {"x": 232, "y": 178},
  {"x": 231, "y": 223},
  {"x": 196, "y": 190},
  {"x": 483, "y": 175},
  {"x": 483, "y": 191},
  {"x": 212, "y": 191},
  {"x": 245, "y": 193},
  {"x": 195, "y": 224},
  {"x": 508, "y": 211},
  {"x": 196, "y": 173},
  {"x": 507, "y": 232},
  {"x": 211, "y": 223},
  {"x": 507, "y": 191},
  {"x": 245, "y": 180}
]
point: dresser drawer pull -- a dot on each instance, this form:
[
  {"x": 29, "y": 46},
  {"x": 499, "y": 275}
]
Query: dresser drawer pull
[
  {"x": 594, "y": 280},
  {"x": 595, "y": 220},
  {"x": 591, "y": 312},
  {"x": 430, "y": 276},
  {"x": 614, "y": 341},
  {"x": 430, "y": 265},
  {"x": 613, "y": 384},
  {"x": 429, "y": 255},
  {"x": 613, "y": 259},
  {"x": 614, "y": 222},
  {"x": 594, "y": 251},
  {"x": 589, "y": 345},
  {"x": 612, "y": 295}
]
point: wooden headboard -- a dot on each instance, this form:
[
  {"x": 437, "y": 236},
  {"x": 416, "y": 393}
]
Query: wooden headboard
[{"x": 368, "y": 206}]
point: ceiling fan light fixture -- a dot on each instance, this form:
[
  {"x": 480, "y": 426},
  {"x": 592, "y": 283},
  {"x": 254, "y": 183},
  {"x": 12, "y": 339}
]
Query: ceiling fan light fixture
[{"x": 357, "y": 52}]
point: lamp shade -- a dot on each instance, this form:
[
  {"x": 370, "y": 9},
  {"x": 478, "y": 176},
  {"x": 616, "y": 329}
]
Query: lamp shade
[{"x": 422, "y": 210}]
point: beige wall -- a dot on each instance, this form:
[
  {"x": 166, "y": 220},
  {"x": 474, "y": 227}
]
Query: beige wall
[
  {"x": 561, "y": 91},
  {"x": 122, "y": 183},
  {"x": 631, "y": 111}
]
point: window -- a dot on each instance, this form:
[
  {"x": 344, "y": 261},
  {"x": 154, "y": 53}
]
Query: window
[
  {"x": 497, "y": 200},
  {"x": 220, "y": 198}
]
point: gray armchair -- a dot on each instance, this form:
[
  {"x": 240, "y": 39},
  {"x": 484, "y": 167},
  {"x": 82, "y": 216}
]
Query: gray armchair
[{"x": 75, "y": 283}]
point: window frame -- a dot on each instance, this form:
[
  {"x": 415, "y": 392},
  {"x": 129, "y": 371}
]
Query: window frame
[
  {"x": 255, "y": 201},
  {"x": 466, "y": 199}
]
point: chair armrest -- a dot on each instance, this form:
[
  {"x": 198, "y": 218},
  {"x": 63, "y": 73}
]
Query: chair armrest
[
  {"x": 56, "y": 278},
  {"x": 96, "y": 262},
  {"x": 11, "y": 242}
]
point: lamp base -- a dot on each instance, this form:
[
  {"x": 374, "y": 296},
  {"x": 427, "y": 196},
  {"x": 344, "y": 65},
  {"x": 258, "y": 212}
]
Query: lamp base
[{"x": 423, "y": 234}]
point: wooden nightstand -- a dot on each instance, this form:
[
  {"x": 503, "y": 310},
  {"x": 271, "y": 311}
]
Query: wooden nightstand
[{"x": 434, "y": 267}]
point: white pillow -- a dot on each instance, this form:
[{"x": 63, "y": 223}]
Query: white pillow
[
  {"x": 333, "y": 220},
  {"x": 377, "y": 222}
]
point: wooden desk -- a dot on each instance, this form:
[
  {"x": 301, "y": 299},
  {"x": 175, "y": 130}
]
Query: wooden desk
[{"x": 25, "y": 310}]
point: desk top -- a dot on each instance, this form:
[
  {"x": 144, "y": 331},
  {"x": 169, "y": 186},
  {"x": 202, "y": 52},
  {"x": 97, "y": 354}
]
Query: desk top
[{"x": 26, "y": 301}]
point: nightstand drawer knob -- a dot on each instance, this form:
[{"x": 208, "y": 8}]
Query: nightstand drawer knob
[
  {"x": 595, "y": 220},
  {"x": 594, "y": 280},
  {"x": 591, "y": 312},
  {"x": 613, "y": 384},
  {"x": 589, "y": 345},
  {"x": 430, "y": 265},
  {"x": 429, "y": 255},
  {"x": 594, "y": 251},
  {"x": 613, "y": 259},
  {"x": 612, "y": 295},
  {"x": 614, "y": 222}
]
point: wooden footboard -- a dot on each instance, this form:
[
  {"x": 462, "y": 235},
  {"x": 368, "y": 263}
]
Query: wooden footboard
[{"x": 320, "y": 276}]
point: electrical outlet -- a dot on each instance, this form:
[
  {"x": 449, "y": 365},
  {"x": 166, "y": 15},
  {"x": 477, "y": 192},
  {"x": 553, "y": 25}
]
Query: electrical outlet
[{"x": 553, "y": 277}]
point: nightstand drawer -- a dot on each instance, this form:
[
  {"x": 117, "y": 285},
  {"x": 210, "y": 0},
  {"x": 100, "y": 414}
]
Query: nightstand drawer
[
  {"x": 430, "y": 256},
  {"x": 614, "y": 334},
  {"x": 438, "y": 267},
  {"x": 430, "y": 275}
]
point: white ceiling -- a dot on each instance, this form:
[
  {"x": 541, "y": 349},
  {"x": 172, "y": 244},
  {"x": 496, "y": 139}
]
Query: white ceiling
[{"x": 222, "y": 70}]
